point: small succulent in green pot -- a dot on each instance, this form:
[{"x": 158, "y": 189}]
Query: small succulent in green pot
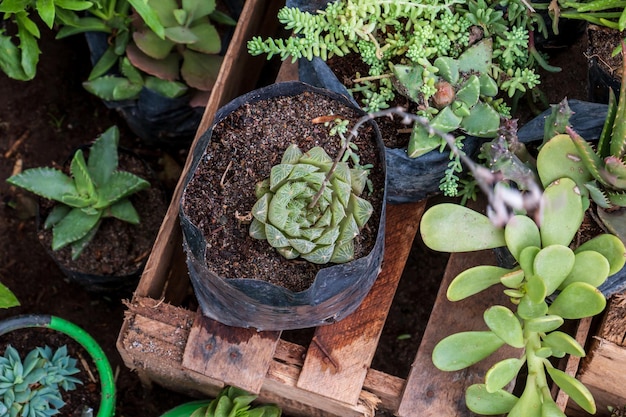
[
  {"x": 94, "y": 190},
  {"x": 310, "y": 207},
  {"x": 548, "y": 267}
]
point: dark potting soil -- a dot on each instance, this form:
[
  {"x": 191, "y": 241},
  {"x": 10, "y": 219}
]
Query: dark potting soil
[{"x": 243, "y": 148}]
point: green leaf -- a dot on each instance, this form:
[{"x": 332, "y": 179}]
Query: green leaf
[
  {"x": 208, "y": 42},
  {"x": 45, "y": 8},
  {"x": 199, "y": 70},
  {"x": 474, "y": 280},
  {"x": 48, "y": 183},
  {"x": 448, "y": 69},
  {"x": 504, "y": 324},
  {"x": 186, "y": 410},
  {"x": 112, "y": 88},
  {"x": 421, "y": 142},
  {"x": 124, "y": 210},
  {"x": 10, "y": 62},
  {"x": 477, "y": 58},
  {"x": 544, "y": 324},
  {"x": 7, "y": 298},
  {"x": 481, "y": 401},
  {"x": 28, "y": 47},
  {"x": 529, "y": 404},
  {"x": 550, "y": 409},
  {"x": 536, "y": 289},
  {"x": 521, "y": 232},
  {"x": 529, "y": 309},
  {"x": 120, "y": 185},
  {"x": 103, "y": 157},
  {"x": 199, "y": 8},
  {"x": 460, "y": 350},
  {"x": 170, "y": 89},
  {"x": 104, "y": 64},
  {"x": 590, "y": 267},
  {"x": 149, "y": 15},
  {"x": 470, "y": 92},
  {"x": 553, "y": 264},
  {"x": 559, "y": 158},
  {"x": 578, "y": 300},
  {"x": 82, "y": 180},
  {"x": 446, "y": 120},
  {"x": 442, "y": 224},
  {"x": 180, "y": 35},
  {"x": 563, "y": 342},
  {"x": 513, "y": 279},
  {"x": 152, "y": 45},
  {"x": 483, "y": 121},
  {"x": 527, "y": 259},
  {"x": 562, "y": 214},
  {"x": 610, "y": 247},
  {"x": 574, "y": 388},
  {"x": 72, "y": 227},
  {"x": 502, "y": 373}
]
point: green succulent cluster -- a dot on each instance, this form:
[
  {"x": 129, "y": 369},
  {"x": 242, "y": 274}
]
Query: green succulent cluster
[
  {"x": 310, "y": 207},
  {"x": 235, "y": 402},
  {"x": 96, "y": 189},
  {"x": 547, "y": 267},
  {"x": 32, "y": 388}
]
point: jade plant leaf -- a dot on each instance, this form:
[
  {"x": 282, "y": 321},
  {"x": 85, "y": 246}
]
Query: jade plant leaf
[
  {"x": 474, "y": 280},
  {"x": 564, "y": 343},
  {"x": 513, "y": 279},
  {"x": 574, "y": 388},
  {"x": 578, "y": 300},
  {"x": 559, "y": 156},
  {"x": 521, "y": 232},
  {"x": 529, "y": 404},
  {"x": 550, "y": 409},
  {"x": 502, "y": 373},
  {"x": 529, "y": 309},
  {"x": 553, "y": 264},
  {"x": 544, "y": 324},
  {"x": 527, "y": 259},
  {"x": 504, "y": 324},
  {"x": 481, "y": 401},
  {"x": 590, "y": 267},
  {"x": 610, "y": 246},
  {"x": 443, "y": 223},
  {"x": 562, "y": 214},
  {"x": 536, "y": 289},
  {"x": 460, "y": 350}
]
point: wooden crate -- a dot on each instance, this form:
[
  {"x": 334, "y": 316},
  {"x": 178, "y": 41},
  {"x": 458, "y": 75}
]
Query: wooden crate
[{"x": 173, "y": 345}]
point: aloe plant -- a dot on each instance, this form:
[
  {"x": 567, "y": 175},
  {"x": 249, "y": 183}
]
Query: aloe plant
[
  {"x": 7, "y": 298},
  {"x": 231, "y": 402},
  {"x": 96, "y": 189},
  {"x": 546, "y": 267},
  {"x": 310, "y": 207}
]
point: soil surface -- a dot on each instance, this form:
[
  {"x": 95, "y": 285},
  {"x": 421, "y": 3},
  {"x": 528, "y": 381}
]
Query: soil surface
[{"x": 42, "y": 121}]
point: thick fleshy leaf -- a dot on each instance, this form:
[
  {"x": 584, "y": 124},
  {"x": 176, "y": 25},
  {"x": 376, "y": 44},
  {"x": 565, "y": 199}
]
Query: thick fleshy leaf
[
  {"x": 112, "y": 88},
  {"x": 149, "y": 12},
  {"x": 483, "y": 121},
  {"x": 559, "y": 158},
  {"x": 502, "y": 373},
  {"x": 421, "y": 142},
  {"x": 574, "y": 388},
  {"x": 121, "y": 184},
  {"x": 166, "y": 68},
  {"x": 477, "y": 58},
  {"x": 470, "y": 92},
  {"x": 610, "y": 247},
  {"x": 521, "y": 232},
  {"x": 527, "y": 259},
  {"x": 125, "y": 211},
  {"x": 72, "y": 227},
  {"x": 410, "y": 80},
  {"x": 474, "y": 280},
  {"x": 562, "y": 214},
  {"x": 504, "y": 324},
  {"x": 529, "y": 404},
  {"x": 528, "y": 309},
  {"x": 460, "y": 350},
  {"x": 442, "y": 224},
  {"x": 7, "y": 298},
  {"x": 563, "y": 342},
  {"x": 513, "y": 279},
  {"x": 48, "y": 183},
  {"x": 103, "y": 158},
  {"x": 169, "y": 89},
  {"x": 578, "y": 300},
  {"x": 481, "y": 401},
  {"x": 590, "y": 267},
  {"x": 199, "y": 70},
  {"x": 209, "y": 41},
  {"x": 544, "y": 324},
  {"x": 550, "y": 409},
  {"x": 553, "y": 264},
  {"x": 535, "y": 289}
]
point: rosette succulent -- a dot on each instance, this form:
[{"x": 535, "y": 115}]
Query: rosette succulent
[{"x": 310, "y": 207}]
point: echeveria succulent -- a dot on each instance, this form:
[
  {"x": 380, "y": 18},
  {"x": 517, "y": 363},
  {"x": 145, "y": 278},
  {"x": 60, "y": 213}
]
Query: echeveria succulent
[{"x": 287, "y": 215}]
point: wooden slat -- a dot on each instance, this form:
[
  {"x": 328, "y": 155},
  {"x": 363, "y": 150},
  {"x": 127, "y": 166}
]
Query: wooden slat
[
  {"x": 430, "y": 392},
  {"x": 340, "y": 354},
  {"x": 236, "y": 356}
]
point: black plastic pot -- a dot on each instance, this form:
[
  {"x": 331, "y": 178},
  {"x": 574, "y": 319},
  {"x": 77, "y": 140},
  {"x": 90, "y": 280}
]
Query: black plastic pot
[
  {"x": 336, "y": 291},
  {"x": 158, "y": 120}
]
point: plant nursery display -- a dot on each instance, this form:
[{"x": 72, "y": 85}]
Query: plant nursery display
[
  {"x": 297, "y": 202},
  {"x": 95, "y": 190}
]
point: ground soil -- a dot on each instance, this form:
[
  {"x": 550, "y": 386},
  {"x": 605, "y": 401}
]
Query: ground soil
[{"x": 42, "y": 121}]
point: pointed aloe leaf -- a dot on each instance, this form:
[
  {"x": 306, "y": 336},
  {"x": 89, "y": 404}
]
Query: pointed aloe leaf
[
  {"x": 618, "y": 135},
  {"x": 604, "y": 142},
  {"x": 521, "y": 232},
  {"x": 574, "y": 388},
  {"x": 559, "y": 158},
  {"x": 421, "y": 142},
  {"x": 72, "y": 227},
  {"x": 481, "y": 401},
  {"x": 121, "y": 184},
  {"x": 48, "y": 183},
  {"x": 553, "y": 264},
  {"x": 448, "y": 69},
  {"x": 590, "y": 159},
  {"x": 199, "y": 70},
  {"x": 477, "y": 58},
  {"x": 125, "y": 211},
  {"x": 79, "y": 245},
  {"x": 56, "y": 214},
  {"x": 504, "y": 324},
  {"x": 483, "y": 121},
  {"x": 563, "y": 342},
  {"x": 446, "y": 120},
  {"x": 578, "y": 300},
  {"x": 590, "y": 267},
  {"x": 470, "y": 92},
  {"x": 103, "y": 158},
  {"x": 442, "y": 224},
  {"x": 410, "y": 80},
  {"x": 474, "y": 280},
  {"x": 562, "y": 214},
  {"x": 610, "y": 246},
  {"x": 82, "y": 179},
  {"x": 7, "y": 298},
  {"x": 460, "y": 350},
  {"x": 502, "y": 373}
]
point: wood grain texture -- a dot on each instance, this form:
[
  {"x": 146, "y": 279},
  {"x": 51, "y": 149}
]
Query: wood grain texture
[{"x": 340, "y": 354}]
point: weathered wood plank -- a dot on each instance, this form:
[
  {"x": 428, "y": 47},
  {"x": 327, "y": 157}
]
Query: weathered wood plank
[
  {"x": 233, "y": 355},
  {"x": 430, "y": 392},
  {"x": 340, "y": 354}
]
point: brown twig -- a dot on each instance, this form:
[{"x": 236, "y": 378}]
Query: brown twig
[{"x": 16, "y": 145}]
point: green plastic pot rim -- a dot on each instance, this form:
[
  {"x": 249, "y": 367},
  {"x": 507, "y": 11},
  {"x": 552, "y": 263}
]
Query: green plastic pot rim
[{"x": 107, "y": 381}]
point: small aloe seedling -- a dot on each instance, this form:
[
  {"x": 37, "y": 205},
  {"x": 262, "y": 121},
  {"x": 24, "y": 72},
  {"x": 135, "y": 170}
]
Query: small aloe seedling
[
  {"x": 310, "y": 207},
  {"x": 546, "y": 265},
  {"x": 455, "y": 92},
  {"x": 233, "y": 401},
  {"x": 32, "y": 388},
  {"x": 95, "y": 189}
]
